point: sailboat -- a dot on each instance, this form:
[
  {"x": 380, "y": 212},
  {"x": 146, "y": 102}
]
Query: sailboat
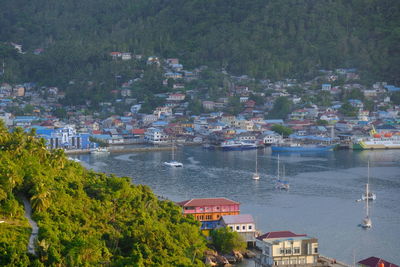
[
  {"x": 256, "y": 175},
  {"x": 173, "y": 163},
  {"x": 367, "y": 223},
  {"x": 282, "y": 183},
  {"x": 368, "y": 195}
]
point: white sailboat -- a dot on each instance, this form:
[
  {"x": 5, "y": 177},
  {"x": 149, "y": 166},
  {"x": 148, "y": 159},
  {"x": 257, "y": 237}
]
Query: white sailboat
[
  {"x": 366, "y": 223},
  {"x": 173, "y": 163},
  {"x": 368, "y": 195},
  {"x": 256, "y": 175},
  {"x": 281, "y": 183}
]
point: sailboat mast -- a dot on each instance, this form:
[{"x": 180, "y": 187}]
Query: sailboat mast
[
  {"x": 278, "y": 166},
  {"x": 256, "y": 162}
]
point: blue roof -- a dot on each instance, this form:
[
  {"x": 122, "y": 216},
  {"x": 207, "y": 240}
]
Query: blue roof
[
  {"x": 310, "y": 137},
  {"x": 274, "y": 121},
  {"x": 101, "y": 136},
  {"x": 160, "y": 123},
  {"x": 392, "y": 88}
]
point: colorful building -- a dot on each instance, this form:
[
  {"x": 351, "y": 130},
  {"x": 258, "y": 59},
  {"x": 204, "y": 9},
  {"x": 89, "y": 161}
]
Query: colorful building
[{"x": 209, "y": 210}]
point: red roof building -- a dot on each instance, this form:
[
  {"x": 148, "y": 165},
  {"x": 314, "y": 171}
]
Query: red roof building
[
  {"x": 210, "y": 209},
  {"x": 376, "y": 262}
]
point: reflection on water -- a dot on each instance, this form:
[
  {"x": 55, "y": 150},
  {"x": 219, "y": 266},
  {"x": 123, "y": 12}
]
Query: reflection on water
[{"x": 320, "y": 202}]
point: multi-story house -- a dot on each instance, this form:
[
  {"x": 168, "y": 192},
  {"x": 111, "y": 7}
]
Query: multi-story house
[
  {"x": 244, "y": 224},
  {"x": 285, "y": 248},
  {"x": 209, "y": 210},
  {"x": 155, "y": 136}
]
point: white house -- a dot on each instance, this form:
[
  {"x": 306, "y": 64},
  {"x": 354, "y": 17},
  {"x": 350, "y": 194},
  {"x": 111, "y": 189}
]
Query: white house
[
  {"x": 243, "y": 224},
  {"x": 155, "y": 136}
]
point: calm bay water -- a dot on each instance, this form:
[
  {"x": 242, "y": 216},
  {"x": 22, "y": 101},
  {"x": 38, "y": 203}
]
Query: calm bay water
[{"x": 321, "y": 201}]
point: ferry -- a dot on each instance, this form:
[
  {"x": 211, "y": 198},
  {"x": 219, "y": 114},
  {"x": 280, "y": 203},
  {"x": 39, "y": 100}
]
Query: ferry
[{"x": 378, "y": 141}]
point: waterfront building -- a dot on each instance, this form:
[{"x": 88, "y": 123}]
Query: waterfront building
[
  {"x": 286, "y": 248},
  {"x": 244, "y": 224},
  {"x": 65, "y": 138},
  {"x": 155, "y": 136},
  {"x": 209, "y": 210},
  {"x": 375, "y": 262}
]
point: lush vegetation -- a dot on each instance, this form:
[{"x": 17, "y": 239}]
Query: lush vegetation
[
  {"x": 282, "y": 130},
  {"x": 85, "y": 218},
  {"x": 226, "y": 240},
  {"x": 265, "y": 39}
]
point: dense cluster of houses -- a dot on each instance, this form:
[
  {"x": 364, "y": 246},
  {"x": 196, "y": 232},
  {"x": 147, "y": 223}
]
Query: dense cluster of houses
[{"x": 175, "y": 121}]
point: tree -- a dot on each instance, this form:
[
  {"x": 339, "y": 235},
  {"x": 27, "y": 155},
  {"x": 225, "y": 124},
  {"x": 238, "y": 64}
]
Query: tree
[
  {"x": 348, "y": 110},
  {"x": 395, "y": 98},
  {"x": 282, "y": 130},
  {"x": 225, "y": 240},
  {"x": 282, "y": 107}
]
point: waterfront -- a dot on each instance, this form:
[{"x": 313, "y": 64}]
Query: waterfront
[{"x": 320, "y": 203}]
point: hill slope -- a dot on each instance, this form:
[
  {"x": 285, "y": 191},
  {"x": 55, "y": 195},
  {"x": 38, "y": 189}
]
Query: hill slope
[
  {"x": 274, "y": 38},
  {"x": 85, "y": 218}
]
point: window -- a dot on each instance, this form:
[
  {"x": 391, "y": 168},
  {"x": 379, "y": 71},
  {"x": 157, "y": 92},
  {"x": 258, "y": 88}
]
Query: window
[
  {"x": 238, "y": 227},
  {"x": 315, "y": 250},
  {"x": 231, "y": 227},
  {"x": 281, "y": 251},
  {"x": 297, "y": 250},
  {"x": 288, "y": 251},
  {"x": 244, "y": 227},
  {"x": 250, "y": 227},
  {"x": 217, "y": 216}
]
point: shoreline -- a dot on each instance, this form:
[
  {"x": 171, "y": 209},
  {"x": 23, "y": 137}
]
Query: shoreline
[{"x": 124, "y": 149}]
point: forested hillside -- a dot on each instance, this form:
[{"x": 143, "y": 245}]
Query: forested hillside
[
  {"x": 85, "y": 218},
  {"x": 262, "y": 38}
]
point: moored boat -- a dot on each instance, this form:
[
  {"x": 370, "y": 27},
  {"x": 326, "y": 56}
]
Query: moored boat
[
  {"x": 99, "y": 150},
  {"x": 237, "y": 145},
  {"x": 376, "y": 140},
  {"x": 297, "y": 147}
]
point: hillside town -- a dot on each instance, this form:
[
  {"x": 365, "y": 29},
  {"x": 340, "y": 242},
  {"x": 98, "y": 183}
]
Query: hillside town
[{"x": 333, "y": 107}]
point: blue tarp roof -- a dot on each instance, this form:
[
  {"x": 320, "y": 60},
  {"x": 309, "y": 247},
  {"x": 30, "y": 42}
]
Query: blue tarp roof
[{"x": 310, "y": 137}]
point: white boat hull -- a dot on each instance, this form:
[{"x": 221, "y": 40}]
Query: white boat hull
[{"x": 173, "y": 164}]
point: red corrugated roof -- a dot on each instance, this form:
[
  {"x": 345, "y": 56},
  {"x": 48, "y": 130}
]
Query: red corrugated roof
[
  {"x": 279, "y": 234},
  {"x": 376, "y": 262},
  {"x": 138, "y": 131},
  {"x": 195, "y": 202}
]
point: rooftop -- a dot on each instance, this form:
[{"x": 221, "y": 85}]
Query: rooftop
[
  {"x": 207, "y": 202},
  {"x": 238, "y": 219},
  {"x": 279, "y": 234},
  {"x": 376, "y": 262}
]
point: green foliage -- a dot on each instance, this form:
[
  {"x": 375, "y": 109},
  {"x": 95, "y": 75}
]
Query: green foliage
[
  {"x": 234, "y": 106},
  {"x": 322, "y": 122},
  {"x": 265, "y": 39},
  {"x": 282, "y": 130},
  {"x": 85, "y": 218},
  {"x": 395, "y": 98},
  {"x": 225, "y": 240},
  {"x": 348, "y": 110},
  {"x": 282, "y": 107}
]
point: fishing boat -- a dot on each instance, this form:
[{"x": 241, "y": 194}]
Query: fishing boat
[
  {"x": 368, "y": 194},
  {"x": 256, "y": 175},
  {"x": 99, "y": 150},
  {"x": 298, "y": 147},
  {"x": 173, "y": 163},
  {"x": 367, "y": 222}
]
